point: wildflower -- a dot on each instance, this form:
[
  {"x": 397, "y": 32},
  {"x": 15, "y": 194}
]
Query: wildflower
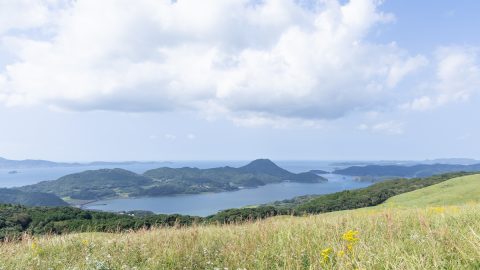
[
  {"x": 438, "y": 210},
  {"x": 36, "y": 248},
  {"x": 85, "y": 242},
  {"x": 341, "y": 253},
  {"x": 351, "y": 237},
  {"x": 326, "y": 254}
]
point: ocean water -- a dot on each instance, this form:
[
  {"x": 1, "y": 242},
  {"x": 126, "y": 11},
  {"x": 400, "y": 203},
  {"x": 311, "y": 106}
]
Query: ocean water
[
  {"x": 209, "y": 203},
  {"x": 196, "y": 204}
]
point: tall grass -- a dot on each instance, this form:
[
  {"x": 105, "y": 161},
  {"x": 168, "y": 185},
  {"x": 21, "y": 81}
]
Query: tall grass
[{"x": 429, "y": 238}]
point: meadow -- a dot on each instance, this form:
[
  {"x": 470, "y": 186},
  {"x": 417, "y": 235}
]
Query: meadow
[
  {"x": 456, "y": 191},
  {"x": 426, "y": 237},
  {"x": 430, "y": 238}
]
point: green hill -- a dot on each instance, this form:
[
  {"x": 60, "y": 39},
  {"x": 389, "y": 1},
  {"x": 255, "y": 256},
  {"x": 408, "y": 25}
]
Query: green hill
[
  {"x": 451, "y": 192},
  {"x": 92, "y": 184},
  {"x": 256, "y": 173},
  {"x": 110, "y": 183},
  {"x": 12, "y": 196}
]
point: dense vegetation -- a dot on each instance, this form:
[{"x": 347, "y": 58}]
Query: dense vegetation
[
  {"x": 109, "y": 183},
  {"x": 92, "y": 184},
  {"x": 378, "y": 238},
  {"x": 422, "y": 170},
  {"x": 15, "y": 220},
  {"x": 39, "y": 220},
  {"x": 29, "y": 198}
]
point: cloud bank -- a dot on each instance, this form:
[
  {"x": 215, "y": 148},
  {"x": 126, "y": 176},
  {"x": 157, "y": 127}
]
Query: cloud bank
[{"x": 251, "y": 61}]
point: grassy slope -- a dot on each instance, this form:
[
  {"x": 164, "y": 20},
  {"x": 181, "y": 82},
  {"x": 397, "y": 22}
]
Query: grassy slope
[
  {"x": 452, "y": 192},
  {"x": 390, "y": 238}
]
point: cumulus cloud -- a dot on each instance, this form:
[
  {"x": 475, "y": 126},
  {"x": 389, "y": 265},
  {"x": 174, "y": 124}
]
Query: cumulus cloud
[
  {"x": 457, "y": 78},
  {"x": 388, "y": 127},
  {"x": 23, "y": 14},
  {"x": 255, "y": 62}
]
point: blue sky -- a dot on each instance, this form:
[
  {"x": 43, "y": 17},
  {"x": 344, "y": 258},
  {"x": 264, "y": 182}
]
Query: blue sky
[{"x": 192, "y": 80}]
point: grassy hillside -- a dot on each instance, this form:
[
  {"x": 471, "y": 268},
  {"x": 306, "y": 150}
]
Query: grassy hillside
[
  {"x": 451, "y": 192},
  {"x": 428, "y": 235},
  {"x": 358, "y": 239},
  {"x": 365, "y": 197}
]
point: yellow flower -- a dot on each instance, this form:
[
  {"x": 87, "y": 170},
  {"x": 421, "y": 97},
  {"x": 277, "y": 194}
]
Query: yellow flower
[
  {"x": 36, "y": 248},
  {"x": 85, "y": 242},
  {"x": 341, "y": 253},
  {"x": 438, "y": 210},
  {"x": 351, "y": 236},
  {"x": 326, "y": 254}
]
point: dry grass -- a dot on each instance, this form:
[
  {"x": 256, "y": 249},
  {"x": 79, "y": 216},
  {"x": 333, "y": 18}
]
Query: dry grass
[{"x": 431, "y": 238}]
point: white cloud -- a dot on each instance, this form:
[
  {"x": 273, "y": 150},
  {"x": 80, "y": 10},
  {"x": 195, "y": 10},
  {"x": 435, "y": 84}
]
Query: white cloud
[
  {"x": 457, "y": 79},
  {"x": 263, "y": 63},
  {"x": 22, "y": 14},
  {"x": 278, "y": 122},
  {"x": 388, "y": 128},
  {"x": 400, "y": 70},
  {"x": 170, "y": 137},
  {"x": 191, "y": 136}
]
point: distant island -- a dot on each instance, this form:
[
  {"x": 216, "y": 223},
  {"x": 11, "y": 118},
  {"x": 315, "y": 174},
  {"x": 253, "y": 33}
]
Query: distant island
[
  {"x": 447, "y": 161},
  {"x": 38, "y": 163},
  {"x": 114, "y": 183},
  {"x": 422, "y": 170}
]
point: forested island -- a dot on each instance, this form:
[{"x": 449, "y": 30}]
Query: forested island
[
  {"x": 419, "y": 170},
  {"x": 114, "y": 183}
]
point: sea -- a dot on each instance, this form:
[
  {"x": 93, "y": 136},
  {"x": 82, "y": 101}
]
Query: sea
[{"x": 195, "y": 204}]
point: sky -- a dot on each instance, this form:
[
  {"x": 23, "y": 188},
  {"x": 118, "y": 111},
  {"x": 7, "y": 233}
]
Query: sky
[{"x": 161, "y": 80}]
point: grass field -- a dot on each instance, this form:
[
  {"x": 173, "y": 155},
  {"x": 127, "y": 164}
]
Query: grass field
[
  {"x": 430, "y": 237},
  {"x": 452, "y": 192}
]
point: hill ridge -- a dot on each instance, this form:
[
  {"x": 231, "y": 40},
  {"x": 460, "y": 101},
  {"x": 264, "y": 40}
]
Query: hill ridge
[{"x": 111, "y": 183}]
